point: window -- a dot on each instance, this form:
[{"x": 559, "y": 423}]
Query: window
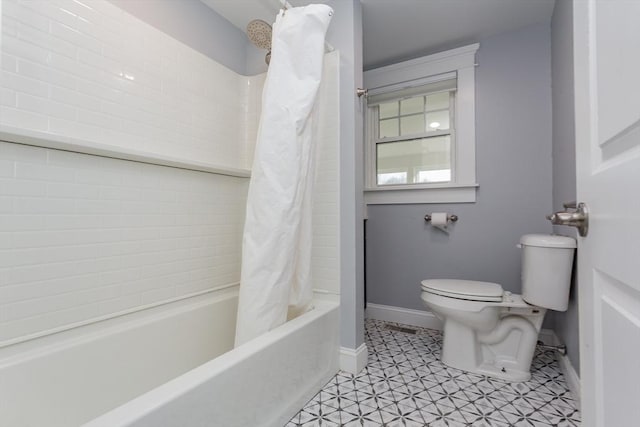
[
  {"x": 420, "y": 130},
  {"x": 413, "y": 134}
]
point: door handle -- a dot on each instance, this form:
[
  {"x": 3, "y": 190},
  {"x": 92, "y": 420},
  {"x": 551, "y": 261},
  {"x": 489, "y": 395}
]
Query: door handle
[{"x": 575, "y": 216}]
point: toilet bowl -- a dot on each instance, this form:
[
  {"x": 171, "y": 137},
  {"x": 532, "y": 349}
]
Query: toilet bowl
[{"x": 493, "y": 332}]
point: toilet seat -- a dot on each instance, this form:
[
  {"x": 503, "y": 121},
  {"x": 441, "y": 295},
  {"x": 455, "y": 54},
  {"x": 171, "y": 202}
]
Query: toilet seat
[{"x": 464, "y": 289}]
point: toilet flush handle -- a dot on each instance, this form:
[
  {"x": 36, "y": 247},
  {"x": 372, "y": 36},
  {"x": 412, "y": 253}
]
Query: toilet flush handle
[{"x": 507, "y": 296}]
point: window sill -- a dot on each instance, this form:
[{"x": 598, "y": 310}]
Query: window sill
[{"x": 448, "y": 193}]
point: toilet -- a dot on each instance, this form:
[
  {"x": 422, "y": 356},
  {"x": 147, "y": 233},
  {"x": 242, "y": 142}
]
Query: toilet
[{"x": 490, "y": 331}]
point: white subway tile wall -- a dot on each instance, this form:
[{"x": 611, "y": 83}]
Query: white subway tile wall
[
  {"x": 88, "y": 70},
  {"x": 84, "y": 236},
  {"x": 252, "y": 109},
  {"x": 325, "y": 261}
]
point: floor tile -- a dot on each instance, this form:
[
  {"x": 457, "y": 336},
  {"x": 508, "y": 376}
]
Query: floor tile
[{"x": 405, "y": 384}]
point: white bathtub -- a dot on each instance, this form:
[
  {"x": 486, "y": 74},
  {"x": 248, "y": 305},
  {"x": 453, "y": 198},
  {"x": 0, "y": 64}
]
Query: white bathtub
[{"x": 170, "y": 366}]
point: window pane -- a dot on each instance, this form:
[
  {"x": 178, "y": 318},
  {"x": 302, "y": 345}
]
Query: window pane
[
  {"x": 438, "y": 101},
  {"x": 438, "y": 120},
  {"x": 412, "y": 124},
  {"x": 389, "y": 109},
  {"x": 392, "y": 178},
  {"x": 437, "y": 175},
  {"x": 424, "y": 160},
  {"x": 412, "y": 105},
  {"x": 388, "y": 128}
]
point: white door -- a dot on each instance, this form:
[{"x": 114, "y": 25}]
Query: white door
[{"x": 607, "y": 87}]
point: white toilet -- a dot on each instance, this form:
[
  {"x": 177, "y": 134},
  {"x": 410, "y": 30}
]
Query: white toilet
[{"x": 493, "y": 332}]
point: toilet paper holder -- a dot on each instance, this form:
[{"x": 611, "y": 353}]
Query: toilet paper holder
[{"x": 450, "y": 217}]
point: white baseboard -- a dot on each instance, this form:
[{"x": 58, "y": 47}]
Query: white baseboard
[
  {"x": 353, "y": 361},
  {"x": 549, "y": 337},
  {"x": 406, "y": 316},
  {"x": 571, "y": 377}
]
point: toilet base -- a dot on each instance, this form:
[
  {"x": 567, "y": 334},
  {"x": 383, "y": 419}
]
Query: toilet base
[
  {"x": 504, "y": 352},
  {"x": 495, "y": 370},
  {"x": 510, "y": 375}
]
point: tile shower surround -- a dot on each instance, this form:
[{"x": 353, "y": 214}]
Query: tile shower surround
[
  {"x": 87, "y": 69},
  {"x": 84, "y": 237},
  {"x": 405, "y": 384}
]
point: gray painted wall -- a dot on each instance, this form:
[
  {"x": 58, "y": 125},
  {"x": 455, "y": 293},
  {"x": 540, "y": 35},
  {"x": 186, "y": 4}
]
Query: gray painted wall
[
  {"x": 197, "y": 26},
  {"x": 255, "y": 60},
  {"x": 345, "y": 34},
  {"x": 564, "y": 154},
  {"x": 513, "y": 137}
]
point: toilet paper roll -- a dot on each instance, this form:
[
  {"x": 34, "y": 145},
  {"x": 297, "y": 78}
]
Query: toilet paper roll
[{"x": 439, "y": 221}]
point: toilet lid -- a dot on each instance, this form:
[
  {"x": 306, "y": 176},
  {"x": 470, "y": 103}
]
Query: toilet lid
[{"x": 464, "y": 289}]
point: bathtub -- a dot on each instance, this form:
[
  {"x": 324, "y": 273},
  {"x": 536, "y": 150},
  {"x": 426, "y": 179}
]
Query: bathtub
[{"x": 172, "y": 365}]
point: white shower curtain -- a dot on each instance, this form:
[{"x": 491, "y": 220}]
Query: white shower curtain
[{"x": 276, "y": 247}]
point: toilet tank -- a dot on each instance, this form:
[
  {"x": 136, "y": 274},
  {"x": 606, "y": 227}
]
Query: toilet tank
[{"x": 547, "y": 262}]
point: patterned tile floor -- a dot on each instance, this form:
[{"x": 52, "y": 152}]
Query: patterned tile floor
[{"x": 405, "y": 384}]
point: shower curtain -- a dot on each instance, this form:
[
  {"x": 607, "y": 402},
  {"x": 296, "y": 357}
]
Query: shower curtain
[{"x": 276, "y": 246}]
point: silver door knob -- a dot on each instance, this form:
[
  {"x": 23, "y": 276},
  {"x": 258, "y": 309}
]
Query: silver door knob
[{"x": 575, "y": 216}]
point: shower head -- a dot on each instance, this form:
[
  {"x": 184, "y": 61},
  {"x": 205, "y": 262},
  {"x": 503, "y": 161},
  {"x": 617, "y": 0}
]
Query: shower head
[{"x": 259, "y": 32}]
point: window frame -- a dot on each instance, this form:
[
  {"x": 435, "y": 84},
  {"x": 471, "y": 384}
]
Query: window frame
[{"x": 421, "y": 72}]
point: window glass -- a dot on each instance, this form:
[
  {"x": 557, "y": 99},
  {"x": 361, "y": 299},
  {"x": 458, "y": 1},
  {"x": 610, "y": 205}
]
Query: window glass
[
  {"x": 436, "y": 175},
  {"x": 412, "y": 105},
  {"x": 412, "y": 124},
  {"x": 392, "y": 178},
  {"x": 416, "y": 115},
  {"x": 438, "y": 120},
  {"x": 388, "y": 109},
  {"x": 423, "y": 160},
  {"x": 388, "y": 128},
  {"x": 438, "y": 101}
]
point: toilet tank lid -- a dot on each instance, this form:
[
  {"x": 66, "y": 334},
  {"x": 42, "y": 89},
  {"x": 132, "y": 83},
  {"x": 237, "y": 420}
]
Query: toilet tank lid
[
  {"x": 548, "y": 241},
  {"x": 464, "y": 288}
]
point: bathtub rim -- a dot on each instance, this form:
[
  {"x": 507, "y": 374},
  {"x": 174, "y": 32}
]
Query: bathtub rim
[{"x": 139, "y": 407}]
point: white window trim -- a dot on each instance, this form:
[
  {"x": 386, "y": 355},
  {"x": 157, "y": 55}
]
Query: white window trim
[{"x": 413, "y": 73}]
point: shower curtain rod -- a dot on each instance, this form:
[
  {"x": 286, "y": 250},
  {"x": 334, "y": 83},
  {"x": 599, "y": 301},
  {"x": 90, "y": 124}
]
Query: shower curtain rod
[{"x": 286, "y": 5}]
